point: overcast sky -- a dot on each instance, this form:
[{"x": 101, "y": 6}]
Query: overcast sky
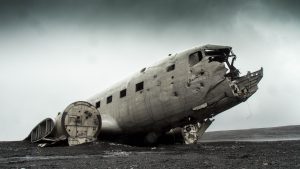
[{"x": 53, "y": 53}]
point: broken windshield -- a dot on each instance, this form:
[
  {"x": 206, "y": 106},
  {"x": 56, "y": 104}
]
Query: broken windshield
[{"x": 223, "y": 55}]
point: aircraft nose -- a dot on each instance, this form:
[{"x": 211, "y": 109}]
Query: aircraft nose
[{"x": 245, "y": 86}]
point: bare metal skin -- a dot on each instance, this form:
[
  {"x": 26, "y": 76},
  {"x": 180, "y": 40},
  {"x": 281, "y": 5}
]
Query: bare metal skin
[{"x": 181, "y": 94}]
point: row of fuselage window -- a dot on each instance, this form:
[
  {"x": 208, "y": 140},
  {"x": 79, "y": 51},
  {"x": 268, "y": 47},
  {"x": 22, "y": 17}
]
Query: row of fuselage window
[
  {"x": 138, "y": 87},
  {"x": 194, "y": 58}
]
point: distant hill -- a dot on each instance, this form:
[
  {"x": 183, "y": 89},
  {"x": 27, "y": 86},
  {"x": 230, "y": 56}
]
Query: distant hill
[{"x": 257, "y": 134}]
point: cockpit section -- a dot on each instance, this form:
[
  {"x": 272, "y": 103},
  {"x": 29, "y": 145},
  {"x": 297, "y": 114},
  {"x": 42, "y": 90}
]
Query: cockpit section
[{"x": 210, "y": 65}]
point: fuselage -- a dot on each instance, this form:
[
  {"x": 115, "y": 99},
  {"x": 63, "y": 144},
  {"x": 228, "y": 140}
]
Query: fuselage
[
  {"x": 174, "y": 100},
  {"x": 198, "y": 83}
]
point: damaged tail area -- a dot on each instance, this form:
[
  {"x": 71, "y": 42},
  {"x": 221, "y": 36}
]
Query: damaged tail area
[
  {"x": 41, "y": 131},
  {"x": 79, "y": 123}
]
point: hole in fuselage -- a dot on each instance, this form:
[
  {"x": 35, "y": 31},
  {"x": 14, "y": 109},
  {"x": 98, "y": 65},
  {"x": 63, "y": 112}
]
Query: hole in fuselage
[{"x": 175, "y": 94}]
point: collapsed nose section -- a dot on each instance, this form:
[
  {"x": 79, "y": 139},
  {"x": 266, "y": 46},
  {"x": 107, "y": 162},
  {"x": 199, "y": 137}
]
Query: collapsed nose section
[{"x": 245, "y": 86}]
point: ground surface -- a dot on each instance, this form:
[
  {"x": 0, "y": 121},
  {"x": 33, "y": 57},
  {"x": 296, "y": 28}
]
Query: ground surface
[
  {"x": 285, "y": 154},
  {"x": 258, "y": 134},
  {"x": 212, "y": 152}
]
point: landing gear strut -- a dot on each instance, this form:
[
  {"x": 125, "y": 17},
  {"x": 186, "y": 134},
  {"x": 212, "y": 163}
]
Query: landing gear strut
[{"x": 191, "y": 133}]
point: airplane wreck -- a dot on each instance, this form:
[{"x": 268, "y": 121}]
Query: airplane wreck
[{"x": 177, "y": 98}]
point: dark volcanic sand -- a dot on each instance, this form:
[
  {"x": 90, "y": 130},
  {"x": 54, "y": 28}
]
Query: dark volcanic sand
[{"x": 281, "y": 154}]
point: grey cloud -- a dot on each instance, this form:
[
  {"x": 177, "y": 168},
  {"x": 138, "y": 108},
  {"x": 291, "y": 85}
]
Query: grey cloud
[{"x": 204, "y": 13}]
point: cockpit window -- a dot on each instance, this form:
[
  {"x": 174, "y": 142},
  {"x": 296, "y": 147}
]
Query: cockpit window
[
  {"x": 219, "y": 55},
  {"x": 194, "y": 58},
  {"x": 212, "y": 52}
]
